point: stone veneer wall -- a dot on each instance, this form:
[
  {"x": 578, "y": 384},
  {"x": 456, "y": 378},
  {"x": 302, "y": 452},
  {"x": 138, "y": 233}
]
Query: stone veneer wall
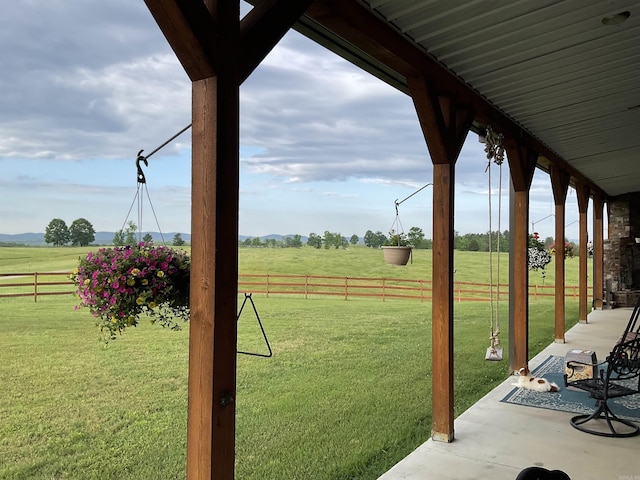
[{"x": 621, "y": 252}]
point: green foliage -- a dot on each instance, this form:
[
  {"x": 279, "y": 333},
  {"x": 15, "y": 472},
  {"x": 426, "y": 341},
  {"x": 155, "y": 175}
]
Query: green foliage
[
  {"x": 293, "y": 242},
  {"x": 81, "y": 232},
  {"x": 82, "y": 412},
  {"x": 121, "y": 284},
  {"x": 57, "y": 233},
  {"x": 354, "y": 239},
  {"x": 147, "y": 238},
  {"x": 127, "y": 236},
  {"x": 397, "y": 239},
  {"x": 177, "y": 240},
  {"x": 416, "y": 237},
  {"x": 374, "y": 240},
  {"x": 314, "y": 240}
]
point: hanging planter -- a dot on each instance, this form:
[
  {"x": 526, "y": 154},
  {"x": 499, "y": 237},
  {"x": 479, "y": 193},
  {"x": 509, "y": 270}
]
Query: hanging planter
[
  {"x": 121, "y": 284},
  {"x": 396, "y": 255},
  {"x": 396, "y": 249}
]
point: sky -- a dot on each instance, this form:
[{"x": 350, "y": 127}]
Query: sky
[{"x": 324, "y": 146}]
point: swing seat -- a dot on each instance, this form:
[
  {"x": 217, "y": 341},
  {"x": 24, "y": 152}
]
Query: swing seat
[{"x": 494, "y": 354}]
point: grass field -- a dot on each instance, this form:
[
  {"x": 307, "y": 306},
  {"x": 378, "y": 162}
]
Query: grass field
[{"x": 345, "y": 396}]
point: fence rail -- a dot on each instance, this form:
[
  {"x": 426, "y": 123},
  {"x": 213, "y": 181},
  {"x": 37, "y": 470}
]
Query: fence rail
[{"x": 35, "y": 284}]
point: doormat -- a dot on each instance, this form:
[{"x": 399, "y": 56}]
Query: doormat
[{"x": 568, "y": 399}]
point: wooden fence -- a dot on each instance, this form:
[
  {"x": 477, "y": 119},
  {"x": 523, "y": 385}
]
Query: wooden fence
[{"x": 36, "y": 284}]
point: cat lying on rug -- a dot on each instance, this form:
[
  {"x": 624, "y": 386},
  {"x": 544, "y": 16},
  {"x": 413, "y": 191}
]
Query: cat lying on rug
[{"x": 528, "y": 381}]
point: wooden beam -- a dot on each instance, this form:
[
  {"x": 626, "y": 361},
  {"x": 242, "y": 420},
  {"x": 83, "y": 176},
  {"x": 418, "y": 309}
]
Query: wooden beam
[
  {"x": 582, "y": 193},
  {"x": 445, "y": 124},
  {"x": 560, "y": 186},
  {"x": 522, "y": 165},
  {"x": 263, "y": 27},
  {"x": 598, "y": 252},
  {"x": 189, "y": 27}
]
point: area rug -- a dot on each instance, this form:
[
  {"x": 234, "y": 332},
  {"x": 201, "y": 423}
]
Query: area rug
[{"x": 568, "y": 399}]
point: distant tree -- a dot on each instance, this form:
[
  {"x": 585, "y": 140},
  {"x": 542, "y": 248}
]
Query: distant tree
[
  {"x": 354, "y": 239},
  {"x": 328, "y": 240},
  {"x": 416, "y": 237},
  {"x": 473, "y": 245},
  {"x": 177, "y": 240},
  {"x": 314, "y": 240},
  {"x": 118, "y": 238},
  {"x": 57, "y": 233},
  {"x": 256, "y": 242},
  {"x": 374, "y": 240},
  {"x": 247, "y": 242},
  {"x": 81, "y": 232},
  {"x": 126, "y": 237},
  {"x": 296, "y": 241},
  {"x": 148, "y": 238},
  {"x": 548, "y": 241}
]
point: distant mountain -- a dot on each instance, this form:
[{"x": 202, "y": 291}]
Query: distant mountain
[
  {"x": 102, "y": 238},
  {"x": 105, "y": 238}
]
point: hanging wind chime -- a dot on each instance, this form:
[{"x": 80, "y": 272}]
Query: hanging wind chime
[{"x": 495, "y": 154}]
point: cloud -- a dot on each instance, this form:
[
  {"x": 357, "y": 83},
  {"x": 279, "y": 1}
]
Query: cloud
[{"x": 324, "y": 146}]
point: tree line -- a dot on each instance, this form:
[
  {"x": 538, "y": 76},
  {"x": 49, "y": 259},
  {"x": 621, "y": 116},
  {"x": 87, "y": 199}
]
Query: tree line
[{"x": 81, "y": 233}]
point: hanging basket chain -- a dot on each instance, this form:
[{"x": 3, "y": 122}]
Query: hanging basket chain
[{"x": 142, "y": 180}]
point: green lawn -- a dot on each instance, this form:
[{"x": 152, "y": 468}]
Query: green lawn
[{"x": 345, "y": 396}]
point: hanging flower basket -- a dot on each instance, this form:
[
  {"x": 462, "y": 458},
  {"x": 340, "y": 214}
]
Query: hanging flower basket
[
  {"x": 569, "y": 250},
  {"x": 538, "y": 256},
  {"x": 120, "y": 285}
]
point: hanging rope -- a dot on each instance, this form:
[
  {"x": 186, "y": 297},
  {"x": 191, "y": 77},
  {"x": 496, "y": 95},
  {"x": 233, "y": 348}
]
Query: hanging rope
[
  {"x": 141, "y": 183},
  {"x": 495, "y": 153}
]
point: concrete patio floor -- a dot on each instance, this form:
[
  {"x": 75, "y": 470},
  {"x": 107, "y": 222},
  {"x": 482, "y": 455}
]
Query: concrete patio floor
[{"x": 495, "y": 440}]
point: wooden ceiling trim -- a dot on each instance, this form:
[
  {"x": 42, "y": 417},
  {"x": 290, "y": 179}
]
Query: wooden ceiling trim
[
  {"x": 263, "y": 27},
  {"x": 189, "y": 28}
]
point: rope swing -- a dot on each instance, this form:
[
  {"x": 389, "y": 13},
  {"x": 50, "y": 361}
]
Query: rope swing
[{"x": 495, "y": 153}]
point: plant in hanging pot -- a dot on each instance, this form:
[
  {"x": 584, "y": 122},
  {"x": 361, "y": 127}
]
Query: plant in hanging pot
[
  {"x": 538, "y": 256},
  {"x": 396, "y": 249},
  {"x": 122, "y": 284}
]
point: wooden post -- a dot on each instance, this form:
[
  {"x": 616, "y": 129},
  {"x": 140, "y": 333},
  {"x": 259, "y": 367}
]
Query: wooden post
[
  {"x": 560, "y": 186},
  {"x": 598, "y": 252},
  {"x": 522, "y": 165},
  {"x": 582, "y": 193},
  {"x": 445, "y": 123}
]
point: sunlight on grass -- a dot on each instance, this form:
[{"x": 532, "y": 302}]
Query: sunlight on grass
[{"x": 346, "y": 395}]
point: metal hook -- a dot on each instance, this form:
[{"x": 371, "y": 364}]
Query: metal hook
[{"x": 141, "y": 177}]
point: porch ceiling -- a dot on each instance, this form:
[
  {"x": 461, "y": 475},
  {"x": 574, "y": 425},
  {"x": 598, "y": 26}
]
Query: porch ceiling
[{"x": 550, "y": 67}]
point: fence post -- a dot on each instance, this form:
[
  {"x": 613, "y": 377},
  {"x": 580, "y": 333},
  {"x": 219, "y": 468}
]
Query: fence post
[
  {"x": 383, "y": 289},
  {"x": 306, "y": 286},
  {"x": 346, "y": 288},
  {"x": 267, "y": 285},
  {"x": 35, "y": 286}
]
